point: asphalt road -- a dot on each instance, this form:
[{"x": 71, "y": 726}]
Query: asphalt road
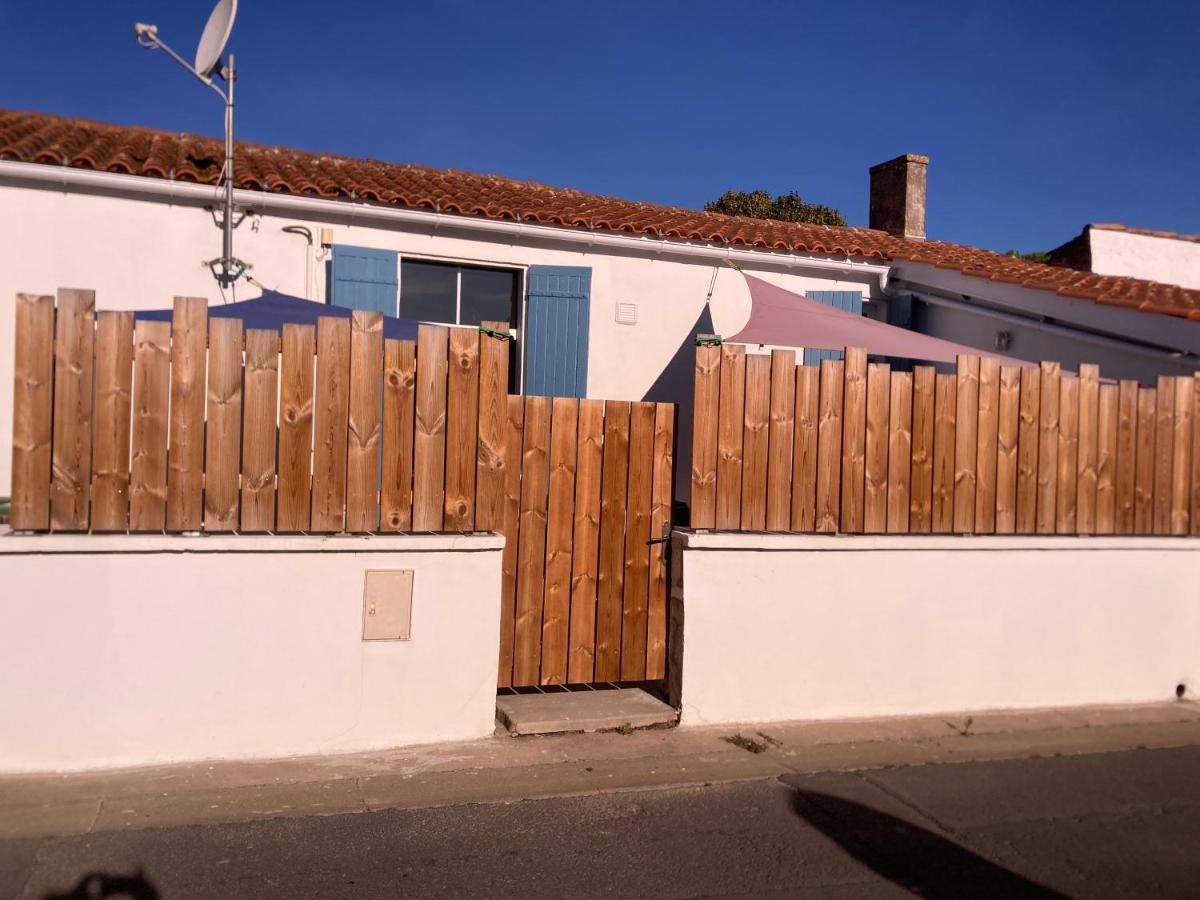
[{"x": 1107, "y": 825}]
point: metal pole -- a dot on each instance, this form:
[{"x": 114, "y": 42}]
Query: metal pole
[{"x": 227, "y": 246}]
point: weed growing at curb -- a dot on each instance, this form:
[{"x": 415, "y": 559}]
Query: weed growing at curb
[
  {"x": 738, "y": 740},
  {"x": 626, "y": 728},
  {"x": 774, "y": 742},
  {"x": 964, "y": 729}
]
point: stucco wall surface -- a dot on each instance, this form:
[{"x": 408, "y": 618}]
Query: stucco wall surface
[
  {"x": 138, "y": 254},
  {"x": 122, "y": 651},
  {"x": 807, "y": 627},
  {"x": 1169, "y": 260}
]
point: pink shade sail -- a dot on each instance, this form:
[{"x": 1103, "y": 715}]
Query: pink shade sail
[{"x": 784, "y": 318}]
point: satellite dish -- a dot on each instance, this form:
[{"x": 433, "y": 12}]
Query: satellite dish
[{"x": 215, "y": 36}]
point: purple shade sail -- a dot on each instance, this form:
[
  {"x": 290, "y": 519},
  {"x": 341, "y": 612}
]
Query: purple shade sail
[{"x": 787, "y": 319}]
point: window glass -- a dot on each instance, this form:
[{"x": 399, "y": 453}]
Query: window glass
[
  {"x": 428, "y": 291},
  {"x": 488, "y": 295}
]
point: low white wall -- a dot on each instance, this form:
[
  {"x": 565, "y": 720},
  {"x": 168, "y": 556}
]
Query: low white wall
[
  {"x": 769, "y": 628},
  {"x": 130, "y": 650}
]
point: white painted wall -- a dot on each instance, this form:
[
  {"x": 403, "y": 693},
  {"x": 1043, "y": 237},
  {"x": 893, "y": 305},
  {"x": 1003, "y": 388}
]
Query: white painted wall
[
  {"x": 1169, "y": 260},
  {"x": 139, "y": 253},
  {"x": 823, "y": 627},
  {"x": 122, "y": 651}
]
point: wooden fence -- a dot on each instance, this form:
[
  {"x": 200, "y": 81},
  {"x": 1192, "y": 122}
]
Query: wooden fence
[
  {"x": 197, "y": 425},
  {"x": 853, "y": 447}
]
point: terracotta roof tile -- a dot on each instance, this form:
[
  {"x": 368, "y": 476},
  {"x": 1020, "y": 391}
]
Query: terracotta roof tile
[{"x": 54, "y": 140}]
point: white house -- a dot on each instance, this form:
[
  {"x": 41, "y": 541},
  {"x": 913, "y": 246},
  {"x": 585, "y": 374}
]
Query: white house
[{"x": 601, "y": 291}]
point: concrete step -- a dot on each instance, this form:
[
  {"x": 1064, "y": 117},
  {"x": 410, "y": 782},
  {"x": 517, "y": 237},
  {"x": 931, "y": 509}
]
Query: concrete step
[{"x": 560, "y": 711}]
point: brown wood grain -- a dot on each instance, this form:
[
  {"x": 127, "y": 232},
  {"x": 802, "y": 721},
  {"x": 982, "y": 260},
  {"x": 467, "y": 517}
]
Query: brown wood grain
[
  {"x": 1008, "y": 428},
  {"x": 875, "y": 465},
  {"x": 331, "y": 424},
  {"x": 730, "y": 431},
  {"x": 514, "y": 430},
  {"x": 637, "y": 533},
  {"x": 1181, "y": 458},
  {"x": 1027, "y": 450},
  {"x": 70, "y": 473},
  {"x": 399, "y": 411},
  {"x": 1068, "y": 455},
  {"x": 1195, "y": 501},
  {"x": 829, "y": 444},
  {"x": 986, "y": 445},
  {"x": 1143, "y": 490},
  {"x": 1164, "y": 451},
  {"x": 1047, "y": 481},
  {"x": 223, "y": 433},
  {"x": 899, "y": 466},
  {"x": 429, "y": 441},
  {"x": 560, "y": 514},
  {"x": 945, "y": 411},
  {"x": 585, "y": 563},
  {"x": 804, "y": 449},
  {"x": 660, "y": 518},
  {"x": 921, "y": 491},
  {"x": 610, "y": 582},
  {"x": 1106, "y": 459},
  {"x": 705, "y": 412},
  {"x": 1127, "y": 425},
  {"x": 489, "y": 460},
  {"x": 462, "y": 430},
  {"x": 185, "y": 456},
  {"x": 755, "y": 436},
  {"x": 531, "y": 551},
  {"x": 365, "y": 425},
  {"x": 259, "y": 438},
  {"x": 1089, "y": 449},
  {"x": 966, "y": 443},
  {"x": 780, "y": 438},
  {"x": 295, "y": 427},
  {"x": 33, "y": 410},
  {"x": 110, "y": 443},
  {"x": 151, "y": 400},
  {"x": 854, "y": 440}
]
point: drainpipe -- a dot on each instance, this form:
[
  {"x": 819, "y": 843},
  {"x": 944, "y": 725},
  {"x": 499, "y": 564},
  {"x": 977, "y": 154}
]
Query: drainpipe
[{"x": 305, "y": 233}]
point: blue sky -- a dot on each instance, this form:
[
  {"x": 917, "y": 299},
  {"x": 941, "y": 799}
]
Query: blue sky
[{"x": 1038, "y": 116}]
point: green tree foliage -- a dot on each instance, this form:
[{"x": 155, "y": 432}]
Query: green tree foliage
[
  {"x": 784, "y": 208},
  {"x": 1036, "y": 256}
]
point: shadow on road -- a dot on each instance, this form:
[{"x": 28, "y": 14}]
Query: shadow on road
[
  {"x": 912, "y": 857},
  {"x": 96, "y": 885}
]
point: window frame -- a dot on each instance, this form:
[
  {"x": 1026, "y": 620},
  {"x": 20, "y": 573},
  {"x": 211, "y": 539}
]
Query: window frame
[{"x": 521, "y": 270}]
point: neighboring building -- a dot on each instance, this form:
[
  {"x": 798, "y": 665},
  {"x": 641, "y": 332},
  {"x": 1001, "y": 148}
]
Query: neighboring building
[
  {"x": 1135, "y": 253},
  {"x": 601, "y": 291}
]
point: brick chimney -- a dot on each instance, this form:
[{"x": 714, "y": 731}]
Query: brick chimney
[{"x": 898, "y": 196}]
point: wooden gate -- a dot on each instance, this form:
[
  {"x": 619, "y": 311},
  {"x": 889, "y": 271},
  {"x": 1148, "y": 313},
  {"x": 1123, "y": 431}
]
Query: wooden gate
[{"x": 199, "y": 425}]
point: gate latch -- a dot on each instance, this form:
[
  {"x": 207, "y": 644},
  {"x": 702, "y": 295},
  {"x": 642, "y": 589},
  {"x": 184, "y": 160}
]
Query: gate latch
[{"x": 665, "y": 539}]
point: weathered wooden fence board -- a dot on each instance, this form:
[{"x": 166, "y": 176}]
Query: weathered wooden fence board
[
  {"x": 258, "y": 430},
  {"x": 829, "y": 444},
  {"x": 585, "y": 563},
  {"x": 185, "y": 456},
  {"x": 296, "y": 427},
  {"x": 1089, "y": 449},
  {"x": 151, "y": 399},
  {"x": 33, "y": 409},
  {"x": 899, "y": 452},
  {"x": 854, "y": 439},
  {"x": 804, "y": 449},
  {"x": 564, "y": 418},
  {"x": 364, "y": 418},
  {"x": 1106, "y": 459},
  {"x": 1164, "y": 452},
  {"x": 730, "y": 431},
  {"x": 781, "y": 436},
  {"x": 611, "y": 578},
  {"x": 639, "y": 496},
  {"x": 966, "y": 443},
  {"x": 429, "y": 442},
  {"x": 514, "y": 430},
  {"x": 1143, "y": 512},
  {"x": 705, "y": 414},
  {"x": 755, "y": 434},
  {"x": 1008, "y": 429},
  {"x": 921, "y": 502},
  {"x": 70, "y": 474},
  {"x": 462, "y": 428},
  {"x": 331, "y": 424},
  {"x": 875, "y": 467},
  {"x": 531, "y": 551},
  {"x": 114, "y": 395},
  {"x": 986, "y": 450},
  {"x": 661, "y": 491},
  {"x": 399, "y": 412},
  {"x": 223, "y": 431}
]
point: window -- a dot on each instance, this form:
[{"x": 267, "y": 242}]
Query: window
[{"x": 458, "y": 295}]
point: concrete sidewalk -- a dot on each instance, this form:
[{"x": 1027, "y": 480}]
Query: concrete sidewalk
[{"x": 505, "y": 769}]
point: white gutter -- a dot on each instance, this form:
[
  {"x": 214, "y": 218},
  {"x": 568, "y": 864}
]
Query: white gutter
[{"x": 66, "y": 178}]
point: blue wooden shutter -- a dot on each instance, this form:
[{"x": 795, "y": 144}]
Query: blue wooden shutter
[
  {"x": 850, "y": 301},
  {"x": 364, "y": 279},
  {"x": 556, "y": 331}
]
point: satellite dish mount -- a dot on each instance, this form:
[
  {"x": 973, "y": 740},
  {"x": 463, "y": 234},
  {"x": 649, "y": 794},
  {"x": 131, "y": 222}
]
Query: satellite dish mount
[{"x": 227, "y": 268}]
